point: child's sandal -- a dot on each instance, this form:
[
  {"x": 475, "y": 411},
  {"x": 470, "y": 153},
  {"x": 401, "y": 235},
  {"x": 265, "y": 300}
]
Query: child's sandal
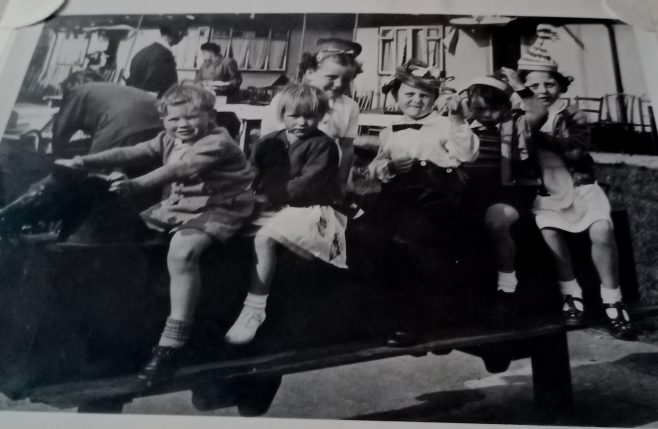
[
  {"x": 571, "y": 314},
  {"x": 620, "y": 326}
]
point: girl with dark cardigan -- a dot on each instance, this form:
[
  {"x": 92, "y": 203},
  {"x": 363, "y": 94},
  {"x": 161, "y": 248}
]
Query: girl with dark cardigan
[{"x": 296, "y": 181}]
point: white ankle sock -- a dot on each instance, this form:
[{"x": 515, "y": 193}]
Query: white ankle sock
[
  {"x": 572, "y": 288},
  {"x": 256, "y": 301},
  {"x": 507, "y": 281},
  {"x": 610, "y": 296}
]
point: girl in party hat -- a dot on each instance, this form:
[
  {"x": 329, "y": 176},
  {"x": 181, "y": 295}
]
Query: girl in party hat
[{"x": 572, "y": 202}]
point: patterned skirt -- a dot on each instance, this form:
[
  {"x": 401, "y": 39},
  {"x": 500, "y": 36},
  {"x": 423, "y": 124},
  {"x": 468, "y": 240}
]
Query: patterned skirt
[{"x": 310, "y": 232}]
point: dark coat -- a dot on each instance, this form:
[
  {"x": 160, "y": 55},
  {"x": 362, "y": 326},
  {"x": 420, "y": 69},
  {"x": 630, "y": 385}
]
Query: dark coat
[{"x": 108, "y": 112}]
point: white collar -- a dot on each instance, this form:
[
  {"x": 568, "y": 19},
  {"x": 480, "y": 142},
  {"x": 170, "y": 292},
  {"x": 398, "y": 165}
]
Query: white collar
[
  {"x": 558, "y": 106},
  {"x": 430, "y": 119}
]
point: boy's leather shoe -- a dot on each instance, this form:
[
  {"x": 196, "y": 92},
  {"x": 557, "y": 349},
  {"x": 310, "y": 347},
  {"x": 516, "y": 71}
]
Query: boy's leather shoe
[{"x": 162, "y": 365}]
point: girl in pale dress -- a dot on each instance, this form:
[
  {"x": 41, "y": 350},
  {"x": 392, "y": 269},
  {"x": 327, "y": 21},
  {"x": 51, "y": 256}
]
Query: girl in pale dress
[{"x": 572, "y": 202}]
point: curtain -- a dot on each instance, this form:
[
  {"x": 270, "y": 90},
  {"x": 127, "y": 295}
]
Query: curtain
[
  {"x": 240, "y": 48},
  {"x": 420, "y": 45},
  {"x": 401, "y": 47},
  {"x": 387, "y": 55},
  {"x": 258, "y": 53},
  {"x": 277, "y": 54}
]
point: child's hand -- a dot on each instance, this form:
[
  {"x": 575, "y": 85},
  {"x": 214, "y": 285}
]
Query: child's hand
[
  {"x": 401, "y": 166},
  {"x": 75, "y": 162},
  {"x": 513, "y": 79},
  {"x": 125, "y": 187},
  {"x": 455, "y": 106}
]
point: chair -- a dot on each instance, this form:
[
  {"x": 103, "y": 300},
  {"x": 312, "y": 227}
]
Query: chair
[
  {"x": 591, "y": 106},
  {"x": 389, "y": 106},
  {"x": 620, "y": 109},
  {"x": 647, "y": 125},
  {"x": 365, "y": 101}
]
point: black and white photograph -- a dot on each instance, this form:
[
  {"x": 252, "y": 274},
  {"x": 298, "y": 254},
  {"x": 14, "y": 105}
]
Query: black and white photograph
[{"x": 367, "y": 211}]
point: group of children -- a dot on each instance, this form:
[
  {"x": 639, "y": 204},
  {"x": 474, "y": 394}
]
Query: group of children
[{"x": 432, "y": 169}]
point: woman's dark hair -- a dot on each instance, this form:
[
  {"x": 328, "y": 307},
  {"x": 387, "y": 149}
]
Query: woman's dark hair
[
  {"x": 78, "y": 78},
  {"x": 309, "y": 61},
  {"x": 562, "y": 80},
  {"x": 211, "y": 47}
]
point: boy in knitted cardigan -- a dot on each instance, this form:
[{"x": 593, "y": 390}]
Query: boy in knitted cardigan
[{"x": 207, "y": 199}]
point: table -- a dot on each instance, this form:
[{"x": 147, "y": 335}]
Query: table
[{"x": 251, "y": 115}]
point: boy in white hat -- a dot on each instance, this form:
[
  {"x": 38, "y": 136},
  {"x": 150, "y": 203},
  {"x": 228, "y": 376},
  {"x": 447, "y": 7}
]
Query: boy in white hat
[{"x": 503, "y": 180}]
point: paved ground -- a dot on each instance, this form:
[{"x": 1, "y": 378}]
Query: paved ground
[{"x": 615, "y": 384}]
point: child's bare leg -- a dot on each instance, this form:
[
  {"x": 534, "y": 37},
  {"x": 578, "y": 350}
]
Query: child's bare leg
[
  {"x": 264, "y": 266},
  {"x": 604, "y": 253},
  {"x": 253, "y": 313},
  {"x": 185, "y": 249},
  {"x": 572, "y": 305},
  {"x": 560, "y": 251},
  {"x": 605, "y": 257},
  {"x": 499, "y": 219}
]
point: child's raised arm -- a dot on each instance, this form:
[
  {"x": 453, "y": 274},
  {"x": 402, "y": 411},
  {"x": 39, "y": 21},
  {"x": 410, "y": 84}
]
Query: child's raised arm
[
  {"x": 125, "y": 156},
  {"x": 201, "y": 156},
  {"x": 462, "y": 143}
]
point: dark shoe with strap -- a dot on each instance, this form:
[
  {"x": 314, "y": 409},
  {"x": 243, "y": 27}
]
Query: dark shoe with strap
[
  {"x": 572, "y": 315},
  {"x": 619, "y": 326},
  {"x": 162, "y": 365}
]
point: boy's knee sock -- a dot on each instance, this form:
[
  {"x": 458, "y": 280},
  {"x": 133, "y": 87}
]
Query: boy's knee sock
[
  {"x": 507, "y": 282},
  {"x": 571, "y": 287},
  {"x": 175, "y": 333}
]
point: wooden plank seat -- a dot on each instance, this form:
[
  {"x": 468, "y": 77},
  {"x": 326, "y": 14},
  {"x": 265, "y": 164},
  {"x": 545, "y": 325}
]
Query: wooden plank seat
[
  {"x": 522, "y": 338},
  {"x": 80, "y": 318}
]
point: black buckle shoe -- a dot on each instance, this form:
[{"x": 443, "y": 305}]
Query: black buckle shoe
[
  {"x": 161, "y": 366},
  {"x": 571, "y": 315},
  {"x": 620, "y": 326}
]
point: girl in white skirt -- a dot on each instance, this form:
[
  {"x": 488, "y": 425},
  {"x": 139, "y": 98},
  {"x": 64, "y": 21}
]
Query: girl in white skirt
[
  {"x": 573, "y": 201},
  {"x": 296, "y": 182}
]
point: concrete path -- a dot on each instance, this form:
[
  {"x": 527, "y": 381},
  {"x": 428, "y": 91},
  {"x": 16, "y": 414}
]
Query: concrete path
[{"x": 615, "y": 384}]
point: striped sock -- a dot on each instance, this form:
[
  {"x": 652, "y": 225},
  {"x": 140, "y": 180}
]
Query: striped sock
[{"x": 175, "y": 333}]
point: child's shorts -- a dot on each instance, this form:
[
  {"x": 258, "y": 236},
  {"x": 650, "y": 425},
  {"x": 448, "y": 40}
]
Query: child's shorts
[{"x": 220, "y": 221}]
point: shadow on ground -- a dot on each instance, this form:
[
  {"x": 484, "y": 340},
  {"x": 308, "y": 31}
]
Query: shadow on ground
[{"x": 622, "y": 393}]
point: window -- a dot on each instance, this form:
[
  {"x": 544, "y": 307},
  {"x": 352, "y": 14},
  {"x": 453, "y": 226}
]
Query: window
[
  {"x": 399, "y": 44},
  {"x": 265, "y": 49}
]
